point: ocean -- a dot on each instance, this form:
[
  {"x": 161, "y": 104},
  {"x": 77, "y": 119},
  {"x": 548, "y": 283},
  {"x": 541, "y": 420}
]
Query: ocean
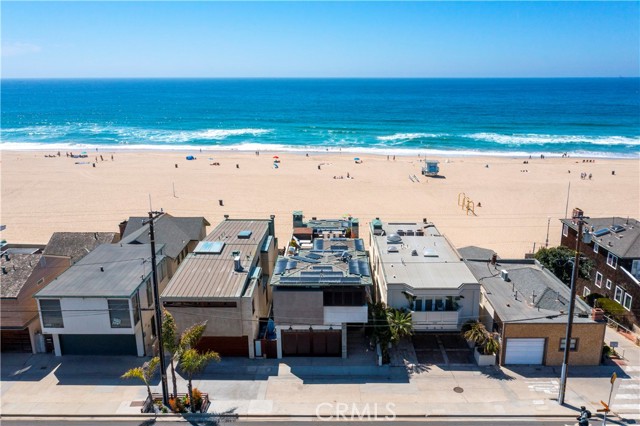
[{"x": 582, "y": 116}]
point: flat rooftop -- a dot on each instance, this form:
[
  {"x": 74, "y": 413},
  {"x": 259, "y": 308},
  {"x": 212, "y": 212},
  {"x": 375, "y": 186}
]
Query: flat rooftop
[
  {"x": 209, "y": 272},
  {"x": 332, "y": 262},
  {"x": 541, "y": 298},
  {"x": 416, "y": 254}
]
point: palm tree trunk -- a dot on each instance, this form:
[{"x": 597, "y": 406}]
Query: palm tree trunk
[
  {"x": 173, "y": 377},
  {"x": 190, "y": 390},
  {"x": 150, "y": 395}
]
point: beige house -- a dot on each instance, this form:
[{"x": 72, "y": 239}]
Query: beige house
[
  {"x": 527, "y": 306},
  {"x": 225, "y": 282}
]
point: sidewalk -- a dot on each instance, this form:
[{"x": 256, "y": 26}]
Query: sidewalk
[{"x": 306, "y": 386}]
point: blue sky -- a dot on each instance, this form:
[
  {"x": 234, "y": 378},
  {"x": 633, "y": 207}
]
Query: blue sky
[{"x": 305, "y": 39}]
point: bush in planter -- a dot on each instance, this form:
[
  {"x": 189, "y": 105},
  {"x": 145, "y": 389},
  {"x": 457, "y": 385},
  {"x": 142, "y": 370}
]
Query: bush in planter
[
  {"x": 197, "y": 399},
  {"x": 467, "y": 326},
  {"x": 490, "y": 346},
  {"x": 177, "y": 405},
  {"x": 613, "y": 309},
  {"x": 477, "y": 333}
]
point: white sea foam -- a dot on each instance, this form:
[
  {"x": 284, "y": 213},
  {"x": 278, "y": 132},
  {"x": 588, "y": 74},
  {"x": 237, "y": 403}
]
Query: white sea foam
[
  {"x": 408, "y": 136},
  {"x": 523, "y": 139}
]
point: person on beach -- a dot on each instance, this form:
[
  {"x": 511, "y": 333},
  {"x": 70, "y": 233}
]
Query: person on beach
[{"x": 111, "y": 157}]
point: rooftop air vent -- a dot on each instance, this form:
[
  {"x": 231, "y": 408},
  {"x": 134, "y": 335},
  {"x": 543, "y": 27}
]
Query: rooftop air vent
[
  {"x": 394, "y": 239},
  {"x": 504, "y": 274},
  {"x": 414, "y": 252}
]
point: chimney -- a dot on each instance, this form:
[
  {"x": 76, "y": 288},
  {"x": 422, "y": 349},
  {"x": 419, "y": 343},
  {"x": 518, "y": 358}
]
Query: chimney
[
  {"x": 272, "y": 227},
  {"x": 4, "y": 270},
  {"x": 494, "y": 258},
  {"x": 122, "y": 225},
  {"x": 237, "y": 265},
  {"x": 298, "y": 219},
  {"x": 101, "y": 269},
  {"x": 95, "y": 235}
]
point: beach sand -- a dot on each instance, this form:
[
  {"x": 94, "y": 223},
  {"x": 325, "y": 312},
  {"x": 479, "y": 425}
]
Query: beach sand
[{"x": 44, "y": 195}]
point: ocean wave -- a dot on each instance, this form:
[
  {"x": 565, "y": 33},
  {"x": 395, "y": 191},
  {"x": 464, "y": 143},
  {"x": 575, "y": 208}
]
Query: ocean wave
[
  {"x": 126, "y": 134},
  {"x": 532, "y": 138},
  {"x": 408, "y": 136}
]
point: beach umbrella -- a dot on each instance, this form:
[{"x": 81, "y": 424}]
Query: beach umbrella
[
  {"x": 357, "y": 159},
  {"x": 275, "y": 156}
]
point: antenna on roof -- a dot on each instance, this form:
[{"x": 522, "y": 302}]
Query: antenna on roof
[{"x": 150, "y": 208}]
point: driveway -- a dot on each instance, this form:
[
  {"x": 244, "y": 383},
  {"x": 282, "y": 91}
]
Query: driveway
[{"x": 442, "y": 349}]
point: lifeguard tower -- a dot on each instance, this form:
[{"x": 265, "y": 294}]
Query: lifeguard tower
[{"x": 430, "y": 168}]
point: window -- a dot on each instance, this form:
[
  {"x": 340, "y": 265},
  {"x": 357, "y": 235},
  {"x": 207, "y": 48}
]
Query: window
[
  {"x": 627, "y": 301},
  {"x": 149, "y": 294},
  {"x": 51, "y": 313},
  {"x": 572, "y": 348},
  {"x": 418, "y": 305},
  {"x": 200, "y": 304},
  {"x": 595, "y": 247},
  {"x": 153, "y": 326},
  {"x": 598, "y": 281},
  {"x": 612, "y": 260},
  {"x": 565, "y": 230},
  {"x": 586, "y": 292},
  {"x": 618, "y": 295},
  {"x": 135, "y": 302},
  {"x": 119, "y": 313},
  {"x": 344, "y": 297},
  {"x": 608, "y": 284}
]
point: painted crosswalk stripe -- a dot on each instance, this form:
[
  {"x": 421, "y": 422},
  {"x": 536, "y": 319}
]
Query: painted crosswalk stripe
[
  {"x": 619, "y": 408},
  {"x": 628, "y": 396},
  {"x": 631, "y": 368},
  {"x": 628, "y": 386}
]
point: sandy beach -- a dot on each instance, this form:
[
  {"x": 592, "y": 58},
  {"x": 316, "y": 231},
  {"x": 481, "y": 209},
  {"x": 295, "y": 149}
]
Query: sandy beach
[{"x": 42, "y": 195}]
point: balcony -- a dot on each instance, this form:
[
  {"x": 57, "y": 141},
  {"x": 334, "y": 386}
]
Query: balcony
[
  {"x": 345, "y": 314},
  {"x": 436, "y": 320}
]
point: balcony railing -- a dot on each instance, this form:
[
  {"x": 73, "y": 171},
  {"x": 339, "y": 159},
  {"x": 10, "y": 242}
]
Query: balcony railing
[
  {"x": 435, "y": 320},
  {"x": 345, "y": 314}
]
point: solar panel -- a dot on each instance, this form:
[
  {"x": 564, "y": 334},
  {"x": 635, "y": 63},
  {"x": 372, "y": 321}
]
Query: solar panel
[
  {"x": 211, "y": 247},
  {"x": 359, "y": 244},
  {"x": 617, "y": 228},
  {"x": 318, "y": 244},
  {"x": 364, "y": 268},
  {"x": 354, "y": 267},
  {"x": 319, "y": 280},
  {"x": 321, "y": 274},
  {"x": 314, "y": 256},
  {"x": 339, "y": 247},
  {"x": 305, "y": 259},
  {"x": 601, "y": 232},
  {"x": 322, "y": 268},
  {"x": 280, "y": 266}
]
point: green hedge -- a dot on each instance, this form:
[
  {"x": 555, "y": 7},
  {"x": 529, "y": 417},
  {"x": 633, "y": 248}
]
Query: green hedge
[{"x": 613, "y": 309}]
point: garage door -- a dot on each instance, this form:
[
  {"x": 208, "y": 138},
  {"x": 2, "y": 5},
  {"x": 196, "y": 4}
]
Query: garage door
[
  {"x": 314, "y": 343},
  {"x": 225, "y": 346},
  {"x": 98, "y": 344},
  {"x": 15, "y": 341},
  {"x": 524, "y": 351}
]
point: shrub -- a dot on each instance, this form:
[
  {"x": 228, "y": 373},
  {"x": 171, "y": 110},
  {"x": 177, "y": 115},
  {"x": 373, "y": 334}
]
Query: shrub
[
  {"x": 177, "y": 405},
  {"x": 592, "y": 297},
  {"x": 613, "y": 309},
  {"x": 197, "y": 399},
  {"x": 467, "y": 326}
]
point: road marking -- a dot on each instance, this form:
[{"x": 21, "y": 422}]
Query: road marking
[
  {"x": 630, "y": 386},
  {"x": 631, "y": 368},
  {"x": 618, "y": 407},
  {"x": 628, "y": 396},
  {"x": 631, "y": 416}
]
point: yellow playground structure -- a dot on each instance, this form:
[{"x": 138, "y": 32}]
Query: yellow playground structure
[{"x": 466, "y": 204}]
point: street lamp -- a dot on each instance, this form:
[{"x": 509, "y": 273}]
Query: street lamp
[{"x": 572, "y": 301}]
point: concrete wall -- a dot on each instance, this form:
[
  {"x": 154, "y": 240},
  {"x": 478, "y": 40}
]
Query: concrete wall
[
  {"x": 298, "y": 307},
  {"x": 589, "y": 346}
]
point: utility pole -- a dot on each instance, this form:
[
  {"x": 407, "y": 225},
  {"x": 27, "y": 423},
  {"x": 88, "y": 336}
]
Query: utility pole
[
  {"x": 156, "y": 300},
  {"x": 572, "y": 303}
]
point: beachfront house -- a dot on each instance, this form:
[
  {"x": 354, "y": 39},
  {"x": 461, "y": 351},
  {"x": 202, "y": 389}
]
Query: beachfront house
[
  {"x": 75, "y": 245},
  {"x": 24, "y": 271},
  {"x": 103, "y": 304},
  {"x": 320, "y": 286},
  {"x": 614, "y": 248},
  {"x": 180, "y": 235},
  {"x": 416, "y": 268},
  {"x": 225, "y": 282},
  {"x": 527, "y": 307}
]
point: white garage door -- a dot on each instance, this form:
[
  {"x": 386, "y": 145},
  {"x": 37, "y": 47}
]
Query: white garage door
[{"x": 524, "y": 351}]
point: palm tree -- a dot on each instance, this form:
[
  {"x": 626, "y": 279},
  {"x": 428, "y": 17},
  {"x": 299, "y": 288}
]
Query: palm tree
[
  {"x": 192, "y": 362},
  {"x": 144, "y": 373},
  {"x": 191, "y": 336},
  {"x": 477, "y": 333},
  {"x": 491, "y": 346},
  {"x": 400, "y": 324},
  {"x": 170, "y": 343}
]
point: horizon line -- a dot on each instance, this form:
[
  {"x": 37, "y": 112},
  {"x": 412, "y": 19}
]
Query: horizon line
[{"x": 314, "y": 78}]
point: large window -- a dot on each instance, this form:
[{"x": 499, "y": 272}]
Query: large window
[
  {"x": 595, "y": 247},
  {"x": 627, "y": 301},
  {"x": 608, "y": 284},
  {"x": 51, "y": 313},
  {"x": 344, "y": 297},
  {"x": 618, "y": 295},
  {"x": 565, "y": 230},
  {"x": 598, "y": 281},
  {"x": 586, "y": 292},
  {"x": 119, "y": 313},
  {"x": 612, "y": 260}
]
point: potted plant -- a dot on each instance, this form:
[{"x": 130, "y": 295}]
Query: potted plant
[
  {"x": 485, "y": 354},
  {"x": 465, "y": 331}
]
